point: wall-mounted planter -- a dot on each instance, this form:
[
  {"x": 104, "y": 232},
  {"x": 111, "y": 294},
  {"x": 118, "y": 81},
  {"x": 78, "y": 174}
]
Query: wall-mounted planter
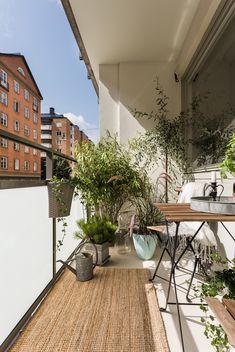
[{"x": 60, "y": 199}]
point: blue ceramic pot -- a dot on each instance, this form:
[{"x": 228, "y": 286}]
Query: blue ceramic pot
[{"x": 145, "y": 245}]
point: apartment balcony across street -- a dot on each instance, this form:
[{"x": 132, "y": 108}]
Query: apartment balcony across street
[
  {"x": 46, "y": 127},
  {"x": 46, "y": 136}
]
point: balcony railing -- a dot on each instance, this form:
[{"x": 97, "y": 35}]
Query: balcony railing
[
  {"x": 28, "y": 255},
  {"x": 46, "y": 136},
  {"x": 46, "y": 127}
]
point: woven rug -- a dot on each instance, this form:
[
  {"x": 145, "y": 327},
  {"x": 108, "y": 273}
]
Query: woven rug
[{"x": 109, "y": 313}]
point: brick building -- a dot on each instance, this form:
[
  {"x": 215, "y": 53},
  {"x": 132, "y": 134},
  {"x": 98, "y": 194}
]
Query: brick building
[
  {"x": 59, "y": 133},
  {"x": 20, "y": 101}
]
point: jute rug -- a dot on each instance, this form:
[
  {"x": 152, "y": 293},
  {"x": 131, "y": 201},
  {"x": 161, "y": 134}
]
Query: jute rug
[{"x": 117, "y": 311}]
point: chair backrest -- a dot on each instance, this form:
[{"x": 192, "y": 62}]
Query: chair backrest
[{"x": 189, "y": 190}]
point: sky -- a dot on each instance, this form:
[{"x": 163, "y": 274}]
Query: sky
[{"x": 39, "y": 30}]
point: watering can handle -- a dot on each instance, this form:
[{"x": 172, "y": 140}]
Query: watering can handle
[{"x": 81, "y": 244}]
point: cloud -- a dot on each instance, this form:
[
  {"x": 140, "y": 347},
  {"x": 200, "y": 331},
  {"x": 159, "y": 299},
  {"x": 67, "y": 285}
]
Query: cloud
[{"x": 91, "y": 130}]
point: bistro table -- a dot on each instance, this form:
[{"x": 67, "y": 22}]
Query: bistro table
[{"x": 177, "y": 213}]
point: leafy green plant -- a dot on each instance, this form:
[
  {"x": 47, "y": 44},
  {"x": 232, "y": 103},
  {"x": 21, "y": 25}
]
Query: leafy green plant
[
  {"x": 228, "y": 164},
  {"x": 98, "y": 230},
  {"x": 106, "y": 176},
  {"x": 61, "y": 169},
  {"x": 168, "y": 139},
  {"x": 211, "y": 131},
  {"x": 221, "y": 283}
]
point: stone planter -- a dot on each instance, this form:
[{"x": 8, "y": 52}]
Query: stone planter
[
  {"x": 60, "y": 199},
  {"x": 102, "y": 250}
]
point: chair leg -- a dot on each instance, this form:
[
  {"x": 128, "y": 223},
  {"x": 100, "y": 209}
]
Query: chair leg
[
  {"x": 191, "y": 280},
  {"x": 159, "y": 262}
]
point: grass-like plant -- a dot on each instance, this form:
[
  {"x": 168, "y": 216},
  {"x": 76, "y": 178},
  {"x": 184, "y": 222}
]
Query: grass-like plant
[{"x": 98, "y": 230}]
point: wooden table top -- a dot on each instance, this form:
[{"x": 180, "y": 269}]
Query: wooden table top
[{"x": 182, "y": 212}]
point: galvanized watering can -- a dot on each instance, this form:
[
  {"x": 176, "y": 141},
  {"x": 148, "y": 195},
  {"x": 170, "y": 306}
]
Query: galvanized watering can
[{"x": 84, "y": 263}]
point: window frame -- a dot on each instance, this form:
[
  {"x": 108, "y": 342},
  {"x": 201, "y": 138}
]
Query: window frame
[
  {"x": 17, "y": 123},
  {"x": 15, "y": 162},
  {"x": 4, "y": 78},
  {"x": 3, "y": 143},
  {"x": 16, "y": 86},
  {"x": 26, "y": 94},
  {"x": 26, "y": 130},
  {"x": 3, "y": 160},
  {"x": 3, "y": 117},
  {"x": 26, "y": 162},
  {"x": 4, "y": 100}
]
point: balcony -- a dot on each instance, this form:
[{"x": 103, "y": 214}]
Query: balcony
[
  {"x": 46, "y": 127},
  {"x": 46, "y": 136},
  {"x": 47, "y": 145}
]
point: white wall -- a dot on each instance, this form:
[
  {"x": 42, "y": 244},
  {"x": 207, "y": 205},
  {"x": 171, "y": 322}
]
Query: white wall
[
  {"x": 26, "y": 250},
  {"x": 127, "y": 86}
]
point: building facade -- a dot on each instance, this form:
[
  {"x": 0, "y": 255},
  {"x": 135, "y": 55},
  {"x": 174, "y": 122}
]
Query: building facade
[
  {"x": 59, "y": 133},
  {"x": 20, "y": 101}
]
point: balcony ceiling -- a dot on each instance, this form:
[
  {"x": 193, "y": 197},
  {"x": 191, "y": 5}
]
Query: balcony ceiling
[{"x": 116, "y": 31}]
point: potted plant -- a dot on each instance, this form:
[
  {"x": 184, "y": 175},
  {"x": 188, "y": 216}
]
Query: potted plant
[
  {"x": 221, "y": 284},
  {"x": 60, "y": 189},
  {"x": 106, "y": 176},
  {"x": 146, "y": 215},
  {"x": 99, "y": 231}
]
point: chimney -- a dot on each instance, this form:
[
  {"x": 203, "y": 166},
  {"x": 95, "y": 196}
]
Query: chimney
[{"x": 52, "y": 111}]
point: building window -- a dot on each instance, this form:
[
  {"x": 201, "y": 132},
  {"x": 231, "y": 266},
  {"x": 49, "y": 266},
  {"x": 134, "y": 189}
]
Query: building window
[
  {"x": 3, "y": 119},
  {"x": 16, "y": 164},
  {"x": 21, "y": 71},
  {"x": 26, "y": 94},
  {"x": 58, "y": 124},
  {"x": 26, "y": 130},
  {"x": 35, "y": 166},
  {"x": 3, "y": 76},
  {"x": 58, "y": 133},
  {"x": 58, "y": 142},
  {"x": 35, "y": 134},
  {"x": 16, "y": 146},
  {"x": 26, "y": 149},
  {"x": 3, "y": 143},
  {"x": 3, "y": 97},
  {"x": 35, "y": 117},
  {"x": 35, "y": 104},
  {"x": 16, "y": 106},
  {"x": 26, "y": 113},
  {"x": 3, "y": 162},
  {"x": 35, "y": 151},
  {"x": 64, "y": 135},
  {"x": 26, "y": 165},
  {"x": 16, "y": 87},
  {"x": 17, "y": 125}
]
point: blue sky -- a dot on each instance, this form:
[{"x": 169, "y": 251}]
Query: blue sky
[{"x": 40, "y": 31}]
